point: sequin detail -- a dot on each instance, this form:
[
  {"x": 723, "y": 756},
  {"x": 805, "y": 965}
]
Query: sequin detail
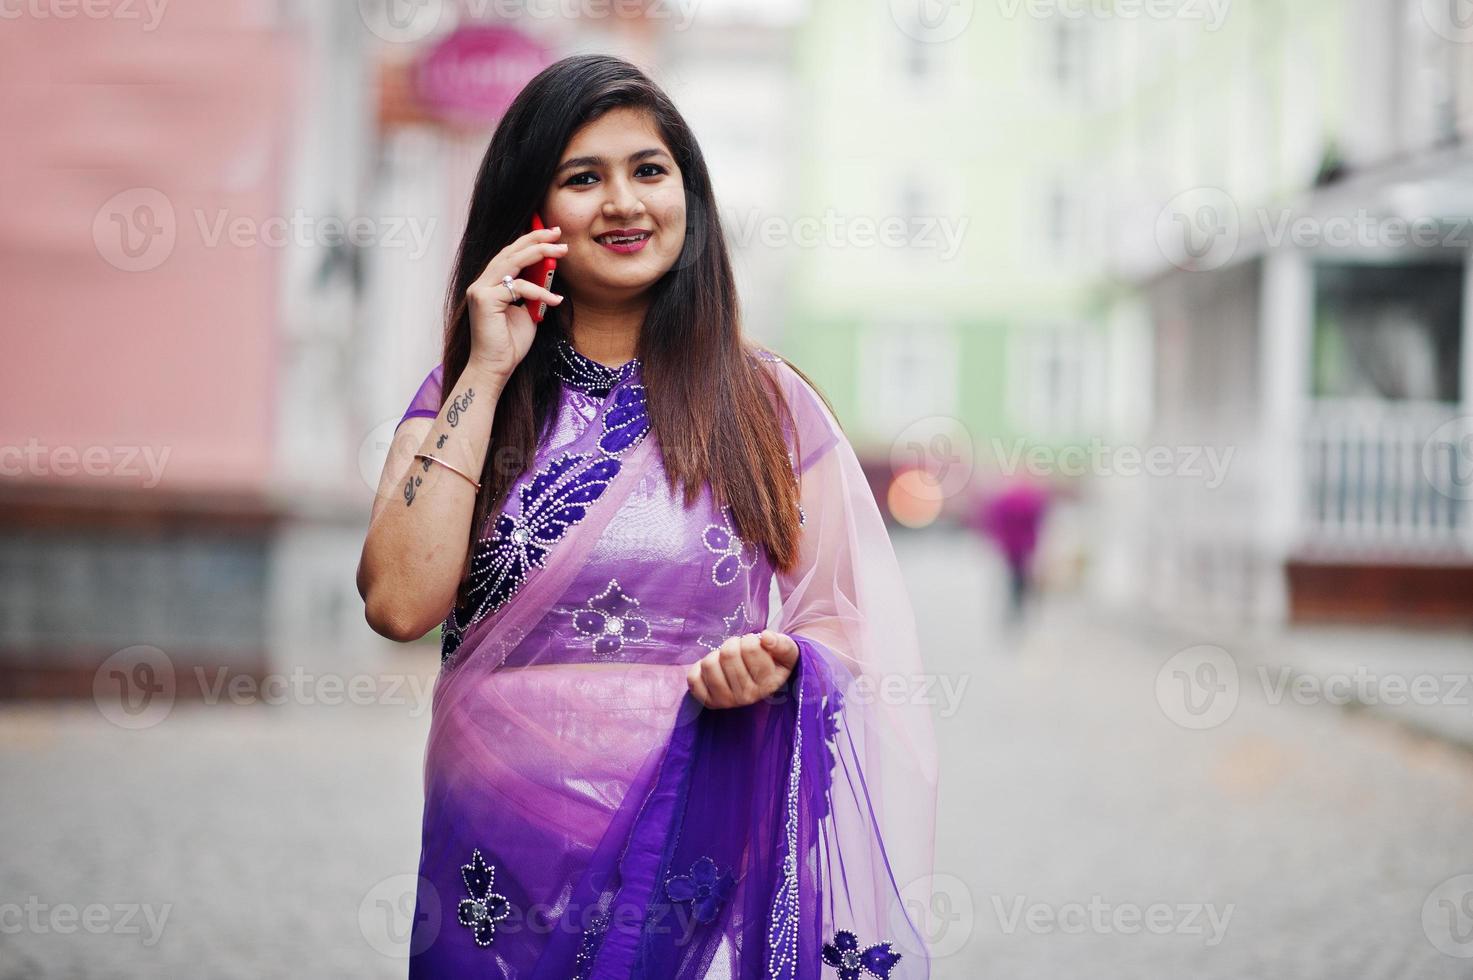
[
  {"x": 608, "y": 619},
  {"x": 845, "y": 955},
  {"x": 782, "y": 918},
  {"x": 588, "y": 949},
  {"x": 705, "y": 888},
  {"x": 484, "y": 908},
  {"x": 733, "y": 553},
  {"x": 587, "y": 375},
  {"x": 555, "y": 500}
]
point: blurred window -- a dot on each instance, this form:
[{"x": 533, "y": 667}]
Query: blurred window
[{"x": 1388, "y": 331}]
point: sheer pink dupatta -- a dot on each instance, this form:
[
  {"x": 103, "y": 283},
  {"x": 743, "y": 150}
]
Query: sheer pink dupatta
[{"x": 848, "y": 599}]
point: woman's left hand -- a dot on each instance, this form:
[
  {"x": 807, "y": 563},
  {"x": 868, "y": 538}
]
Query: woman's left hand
[{"x": 743, "y": 670}]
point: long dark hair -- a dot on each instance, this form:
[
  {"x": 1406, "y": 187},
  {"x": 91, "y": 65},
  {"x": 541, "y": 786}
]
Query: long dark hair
[{"x": 714, "y": 410}]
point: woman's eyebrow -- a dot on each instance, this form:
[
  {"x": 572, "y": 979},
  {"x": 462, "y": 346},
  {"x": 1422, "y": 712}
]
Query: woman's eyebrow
[{"x": 599, "y": 161}]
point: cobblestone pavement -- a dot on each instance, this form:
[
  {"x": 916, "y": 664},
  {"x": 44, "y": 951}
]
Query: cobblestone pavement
[{"x": 1086, "y": 829}]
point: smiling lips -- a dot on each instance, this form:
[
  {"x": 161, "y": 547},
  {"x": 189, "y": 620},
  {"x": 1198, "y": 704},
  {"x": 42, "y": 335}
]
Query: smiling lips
[{"x": 624, "y": 240}]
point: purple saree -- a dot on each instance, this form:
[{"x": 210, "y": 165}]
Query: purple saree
[{"x": 585, "y": 817}]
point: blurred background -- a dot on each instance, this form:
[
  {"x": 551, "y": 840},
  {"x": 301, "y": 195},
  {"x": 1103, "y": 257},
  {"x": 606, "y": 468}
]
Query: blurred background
[{"x": 1149, "y": 319}]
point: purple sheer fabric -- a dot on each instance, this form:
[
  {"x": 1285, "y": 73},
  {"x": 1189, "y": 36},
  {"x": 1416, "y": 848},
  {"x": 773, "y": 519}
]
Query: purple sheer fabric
[{"x": 584, "y": 816}]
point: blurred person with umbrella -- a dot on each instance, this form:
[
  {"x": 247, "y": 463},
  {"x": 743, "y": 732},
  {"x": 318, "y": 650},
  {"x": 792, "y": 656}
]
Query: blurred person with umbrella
[
  {"x": 1012, "y": 518},
  {"x": 627, "y": 775}
]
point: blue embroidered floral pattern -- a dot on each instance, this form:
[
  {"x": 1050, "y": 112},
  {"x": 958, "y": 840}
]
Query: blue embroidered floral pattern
[
  {"x": 845, "y": 955},
  {"x": 733, "y": 554},
  {"x": 556, "y": 499},
  {"x": 608, "y": 619},
  {"x": 484, "y": 908},
  {"x": 705, "y": 888}
]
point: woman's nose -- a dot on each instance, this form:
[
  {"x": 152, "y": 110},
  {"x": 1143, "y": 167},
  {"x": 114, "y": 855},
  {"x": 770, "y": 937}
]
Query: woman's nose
[{"x": 622, "y": 200}]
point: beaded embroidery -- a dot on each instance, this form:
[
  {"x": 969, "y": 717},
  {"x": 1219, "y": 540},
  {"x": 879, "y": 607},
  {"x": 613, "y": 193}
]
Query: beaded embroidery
[
  {"x": 608, "y": 620},
  {"x": 586, "y": 374},
  {"x": 729, "y": 624},
  {"x": 734, "y": 554},
  {"x": 484, "y": 908},
  {"x": 782, "y": 919},
  {"x": 845, "y": 956},
  {"x": 588, "y": 948},
  {"x": 553, "y": 502},
  {"x": 705, "y": 888}
]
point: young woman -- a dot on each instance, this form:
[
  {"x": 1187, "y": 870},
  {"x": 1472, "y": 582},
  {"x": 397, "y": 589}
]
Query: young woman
[{"x": 627, "y": 775}]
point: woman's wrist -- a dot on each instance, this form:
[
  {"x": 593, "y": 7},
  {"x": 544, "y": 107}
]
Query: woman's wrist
[{"x": 487, "y": 376}]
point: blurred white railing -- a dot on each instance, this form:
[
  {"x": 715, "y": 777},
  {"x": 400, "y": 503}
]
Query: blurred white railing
[{"x": 1381, "y": 478}]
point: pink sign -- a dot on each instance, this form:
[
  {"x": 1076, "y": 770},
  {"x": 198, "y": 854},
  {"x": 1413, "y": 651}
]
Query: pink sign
[{"x": 474, "y": 74}]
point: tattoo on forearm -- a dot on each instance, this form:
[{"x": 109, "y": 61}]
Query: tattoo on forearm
[
  {"x": 440, "y": 442},
  {"x": 460, "y": 405},
  {"x": 411, "y": 486}
]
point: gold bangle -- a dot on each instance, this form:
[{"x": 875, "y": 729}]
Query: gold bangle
[{"x": 436, "y": 459}]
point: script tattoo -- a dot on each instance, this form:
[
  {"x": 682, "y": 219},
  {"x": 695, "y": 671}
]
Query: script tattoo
[
  {"x": 411, "y": 486},
  {"x": 459, "y": 405},
  {"x": 440, "y": 442}
]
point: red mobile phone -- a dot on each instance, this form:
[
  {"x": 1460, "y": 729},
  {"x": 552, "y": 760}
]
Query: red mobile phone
[{"x": 541, "y": 274}]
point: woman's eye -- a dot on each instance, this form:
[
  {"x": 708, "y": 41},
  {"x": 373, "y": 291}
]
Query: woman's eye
[{"x": 643, "y": 170}]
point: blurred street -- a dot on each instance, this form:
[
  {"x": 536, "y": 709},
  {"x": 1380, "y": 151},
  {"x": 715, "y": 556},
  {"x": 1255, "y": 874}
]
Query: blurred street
[{"x": 1289, "y": 841}]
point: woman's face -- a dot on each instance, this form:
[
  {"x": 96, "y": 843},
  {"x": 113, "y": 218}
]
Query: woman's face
[{"x": 616, "y": 175}]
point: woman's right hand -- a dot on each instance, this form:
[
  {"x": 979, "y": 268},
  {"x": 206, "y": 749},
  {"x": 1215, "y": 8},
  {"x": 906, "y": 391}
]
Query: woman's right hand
[{"x": 501, "y": 333}]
